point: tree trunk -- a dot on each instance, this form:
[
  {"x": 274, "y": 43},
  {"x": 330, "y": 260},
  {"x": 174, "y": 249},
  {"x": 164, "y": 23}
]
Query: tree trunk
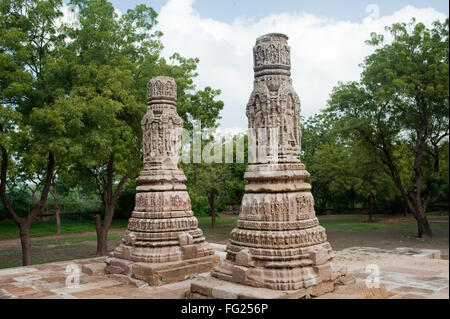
[
  {"x": 405, "y": 210},
  {"x": 371, "y": 202},
  {"x": 57, "y": 211},
  {"x": 25, "y": 240},
  {"x": 102, "y": 242},
  {"x": 110, "y": 198},
  {"x": 102, "y": 234},
  {"x": 423, "y": 227},
  {"x": 58, "y": 221},
  {"x": 213, "y": 210},
  {"x": 24, "y": 224}
]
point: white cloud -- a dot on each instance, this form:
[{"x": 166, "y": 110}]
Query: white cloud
[{"x": 324, "y": 51}]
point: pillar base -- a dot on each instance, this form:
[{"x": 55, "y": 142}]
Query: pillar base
[
  {"x": 157, "y": 274},
  {"x": 213, "y": 288},
  {"x": 293, "y": 278}
]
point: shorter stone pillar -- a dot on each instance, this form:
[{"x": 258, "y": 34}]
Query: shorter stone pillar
[{"x": 163, "y": 243}]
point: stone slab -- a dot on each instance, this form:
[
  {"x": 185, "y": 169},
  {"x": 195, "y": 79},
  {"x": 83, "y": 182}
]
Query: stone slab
[
  {"x": 94, "y": 269},
  {"x": 165, "y": 273},
  {"x": 413, "y": 252},
  {"x": 425, "y": 277},
  {"x": 221, "y": 289}
]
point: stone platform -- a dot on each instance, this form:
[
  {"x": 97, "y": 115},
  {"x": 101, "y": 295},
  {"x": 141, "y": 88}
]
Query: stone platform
[
  {"x": 213, "y": 288},
  {"x": 402, "y": 276},
  {"x": 158, "y": 274}
]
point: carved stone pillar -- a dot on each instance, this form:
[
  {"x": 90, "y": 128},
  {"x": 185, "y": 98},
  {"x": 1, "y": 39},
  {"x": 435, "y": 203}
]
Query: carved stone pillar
[
  {"x": 163, "y": 242},
  {"x": 278, "y": 242}
]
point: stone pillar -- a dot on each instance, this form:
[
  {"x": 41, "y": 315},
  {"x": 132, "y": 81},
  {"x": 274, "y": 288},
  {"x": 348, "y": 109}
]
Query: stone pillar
[
  {"x": 278, "y": 242},
  {"x": 163, "y": 242}
]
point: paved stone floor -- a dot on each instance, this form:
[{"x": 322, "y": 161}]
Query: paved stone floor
[{"x": 406, "y": 274}]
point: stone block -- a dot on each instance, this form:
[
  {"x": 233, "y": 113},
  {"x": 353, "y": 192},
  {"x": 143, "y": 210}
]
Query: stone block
[
  {"x": 240, "y": 274},
  {"x": 298, "y": 294},
  {"x": 205, "y": 287},
  {"x": 322, "y": 288},
  {"x": 346, "y": 280},
  {"x": 319, "y": 256},
  {"x": 185, "y": 239},
  {"x": 360, "y": 291},
  {"x": 94, "y": 269},
  {"x": 227, "y": 291},
  {"x": 243, "y": 258},
  {"x": 159, "y": 274},
  {"x": 323, "y": 272},
  {"x": 118, "y": 266},
  {"x": 189, "y": 252}
]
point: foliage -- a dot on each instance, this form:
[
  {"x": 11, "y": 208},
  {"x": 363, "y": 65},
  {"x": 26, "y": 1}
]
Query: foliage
[{"x": 399, "y": 110}]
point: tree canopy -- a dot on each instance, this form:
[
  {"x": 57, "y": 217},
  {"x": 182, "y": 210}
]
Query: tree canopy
[{"x": 400, "y": 109}]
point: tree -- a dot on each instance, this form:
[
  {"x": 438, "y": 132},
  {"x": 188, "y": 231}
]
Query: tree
[
  {"x": 57, "y": 210},
  {"x": 31, "y": 134},
  {"x": 344, "y": 173},
  {"x": 402, "y": 103},
  {"x": 111, "y": 60}
]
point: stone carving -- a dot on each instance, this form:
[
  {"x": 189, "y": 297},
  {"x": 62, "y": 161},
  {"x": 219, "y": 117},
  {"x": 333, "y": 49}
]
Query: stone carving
[
  {"x": 162, "y": 228},
  {"x": 278, "y": 243}
]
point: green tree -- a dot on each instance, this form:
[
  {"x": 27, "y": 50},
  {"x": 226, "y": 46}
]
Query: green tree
[
  {"x": 402, "y": 100},
  {"x": 110, "y": 60},
  {"x": 32, "y": 135},
  {"x": 344, "y": 173},
  {"x": 105, "y": 58}
]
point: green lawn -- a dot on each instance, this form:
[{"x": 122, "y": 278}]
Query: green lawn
[
  {"x": 8, "y": 229},
  {"x": 205, "y": 221},
  {"x": 357, "y": 226}
]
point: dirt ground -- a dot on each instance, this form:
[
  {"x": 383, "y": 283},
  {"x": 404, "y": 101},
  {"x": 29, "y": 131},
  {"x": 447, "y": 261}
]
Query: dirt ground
[
  {"x": 391, "y": 232},
  {"x": 392, "y": 238}
]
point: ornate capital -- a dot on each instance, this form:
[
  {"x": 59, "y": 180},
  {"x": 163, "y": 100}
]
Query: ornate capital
[
  {"x": 272, "y": 55},
  {"x": 161, "y": 89},
  {"x": 273, "y": 110}
]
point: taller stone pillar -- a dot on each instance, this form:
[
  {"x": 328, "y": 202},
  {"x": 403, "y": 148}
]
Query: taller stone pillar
[
  {"x": 163, "y": 242},
  {"x": 278, "y": 242}
]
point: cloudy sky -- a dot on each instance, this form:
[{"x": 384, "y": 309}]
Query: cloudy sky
[{"x": 326, "y": 38}]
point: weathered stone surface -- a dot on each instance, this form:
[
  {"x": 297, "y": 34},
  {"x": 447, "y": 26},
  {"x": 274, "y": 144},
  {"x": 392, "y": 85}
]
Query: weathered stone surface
[
  {"x": 118, "y": 266},
  {"x": 220, "y": 289},
  {"x": 278, "y": 242},
  {"x": 361, "y": 291},
  {"x": 93, "y": 269},
  {"x": 164, "y": 273},
  {"x": 205, "y": 287},
  {"x": 162, "y": 228},
  {"x": 407, "y": 276},
  {"x": 347, "y": 280},
  {"x": 322, "y": 288}
]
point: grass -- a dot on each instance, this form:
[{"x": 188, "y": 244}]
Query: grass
[
  {"x": 65, "y": 246},
  {"x": 8, "y": 229},
  {"x": 356, "y": 226},
  {"x": 70, "y": 241},
  {"x": 205, "y": 221}
]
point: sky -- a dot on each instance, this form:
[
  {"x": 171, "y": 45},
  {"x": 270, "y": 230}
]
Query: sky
[{"x": 326, "y": 38}]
